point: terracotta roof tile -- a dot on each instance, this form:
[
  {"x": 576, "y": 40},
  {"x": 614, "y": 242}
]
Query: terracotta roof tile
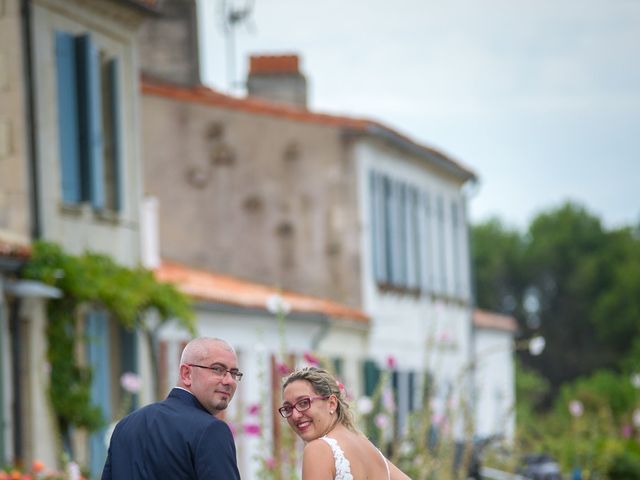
[
  {"x": 493, "y": 320},
  {"x": 204, "y": 285},
  {"x": 207, "y": 96}
]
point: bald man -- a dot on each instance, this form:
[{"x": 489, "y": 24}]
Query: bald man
[{"x": 180, "y": 437}]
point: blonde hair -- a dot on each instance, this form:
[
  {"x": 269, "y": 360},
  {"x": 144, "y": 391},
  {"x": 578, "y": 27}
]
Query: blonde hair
[{"x": 324, "y": 384}]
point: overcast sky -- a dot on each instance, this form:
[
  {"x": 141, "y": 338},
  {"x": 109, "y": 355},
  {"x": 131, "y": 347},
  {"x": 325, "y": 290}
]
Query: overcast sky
[{"x": 541, "y": 98}]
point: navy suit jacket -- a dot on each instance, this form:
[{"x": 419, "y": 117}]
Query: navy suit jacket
[{"x": 176, "y": 439}]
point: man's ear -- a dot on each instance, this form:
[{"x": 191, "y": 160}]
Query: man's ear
[{"x": 185, "y": 375}]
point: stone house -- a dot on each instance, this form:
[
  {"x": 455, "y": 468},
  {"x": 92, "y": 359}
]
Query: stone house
[
  {"x": 70, "y": 173},
  {"x": 337, "y": 207}
]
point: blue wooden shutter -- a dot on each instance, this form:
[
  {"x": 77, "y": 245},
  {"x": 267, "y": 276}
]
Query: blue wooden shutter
[
  {"x": 371, "y": 377},
  {"x": 377, "y": 207},
  {"x": 412, "y": 391},
  {"x": 425, "y": 243},
  {"x": 129, "y": 357},
  {"x": 413, "y": 267},
  {"x": 388, "y": 228},
  {"x": 455, "y": 249},
  {"x": 90, "y": 122},
  {"x": 442, "y": 253},
  {"x": 401, "y": 234},
  {"x": 68, "y": 117},
  {"x": 97, "y": 328},
  {"x": 394, "y": 227},
  {"x": 338, "y": 366},
  {"x": 116, "y": 148}
]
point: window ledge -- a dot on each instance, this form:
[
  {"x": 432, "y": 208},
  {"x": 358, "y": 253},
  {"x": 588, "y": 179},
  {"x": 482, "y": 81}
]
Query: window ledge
[{"x": 86, "y": 212}]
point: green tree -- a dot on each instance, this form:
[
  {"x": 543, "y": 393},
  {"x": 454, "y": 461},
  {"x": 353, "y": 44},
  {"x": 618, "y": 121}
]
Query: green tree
[
  {"x": 497, "y": 262},
  {"x": 569, "y": 279},
  {"x": 616, "y": 312},
  {"x": 565, "y": 270}
]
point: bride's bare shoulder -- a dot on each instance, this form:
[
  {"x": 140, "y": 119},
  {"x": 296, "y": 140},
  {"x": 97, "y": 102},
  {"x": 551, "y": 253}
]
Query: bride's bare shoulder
[{"x": 317, "y": 461}]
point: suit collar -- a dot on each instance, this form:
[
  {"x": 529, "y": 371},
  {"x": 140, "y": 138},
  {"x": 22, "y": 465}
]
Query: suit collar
[{"x": 185, "y": 396}]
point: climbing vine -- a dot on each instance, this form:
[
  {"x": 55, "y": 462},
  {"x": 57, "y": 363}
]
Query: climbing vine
[{"x": 93, "y": 280}]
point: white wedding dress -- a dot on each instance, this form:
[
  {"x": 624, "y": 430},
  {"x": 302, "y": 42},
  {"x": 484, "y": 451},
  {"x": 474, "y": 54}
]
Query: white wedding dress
[{"x": 343, "y": 467}]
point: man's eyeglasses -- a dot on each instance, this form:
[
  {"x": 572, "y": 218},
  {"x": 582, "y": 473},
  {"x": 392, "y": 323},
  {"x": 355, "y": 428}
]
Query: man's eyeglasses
[
  {"x": 301, "y": 405},
  {"x": 220, "y": 371}
]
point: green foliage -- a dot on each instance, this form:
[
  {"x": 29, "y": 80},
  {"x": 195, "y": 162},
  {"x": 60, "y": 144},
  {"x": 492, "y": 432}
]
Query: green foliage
[
  {"x": 626, "y": 466},
  {"x": 569, "y": 280},
  {"x": 497, "y": 257},
  {"x": 621, "y": 303},
  {"x": 594, "y": 438},
  {"x": 602, "y": 389},
  {"x": 70, "y": 383},
  {"x": 96, "y": 281},
  {"x": 531, "y": 388}
]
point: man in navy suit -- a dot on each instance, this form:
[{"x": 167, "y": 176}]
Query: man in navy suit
[{"x": 180, "y": 437}]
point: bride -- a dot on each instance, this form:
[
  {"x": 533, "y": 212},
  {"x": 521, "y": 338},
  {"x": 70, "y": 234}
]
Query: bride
[{"x": 335, "y": 450}]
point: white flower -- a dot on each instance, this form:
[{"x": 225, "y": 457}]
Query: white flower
[
  {"x": 365, "y": 405},
  {"x": 130, "y": 382},
  {"x": 277, "y": 305},
  {"x": 576, "y": 408},
  {"x": 74, "y": 471},
  {"x": 635, "y": 419},
  {"x": 407, "y": 448},
  {"x": 536, "y": 345},
  {"x": 635, "y": 380}
]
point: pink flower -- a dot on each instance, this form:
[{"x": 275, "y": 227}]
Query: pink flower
[
  {"x": 626, "y": 431},
  {"x": 130, "y": 382},
  {"x": 381, "y": 421},
  {"x": 444, "y": 337},
  {"x": 270, "y": 463},
  {"x": 253, "y": 409},
  {"x": 282, "y": 368},
  {"x": 391, "y": 362},
  {"x": 388, "y": 400},
  {"x": 576, "y": 408},
  {"x": 252, "y": 429},
  {"x": 311, "y": 359}
]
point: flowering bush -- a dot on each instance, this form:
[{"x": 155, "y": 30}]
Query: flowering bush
[{"x": 38, "y": 471}]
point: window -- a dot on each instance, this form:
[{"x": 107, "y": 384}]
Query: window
[
  {"x": 409, "y": 237},
  {"x": 456, "y": 225},
  {"x": 442, "y": 246},
  {"x": 88, "y": 123},
  {"x": 397, "y": 233}
]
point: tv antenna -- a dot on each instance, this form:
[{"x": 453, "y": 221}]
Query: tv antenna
[{"x": 233, "y": 16}]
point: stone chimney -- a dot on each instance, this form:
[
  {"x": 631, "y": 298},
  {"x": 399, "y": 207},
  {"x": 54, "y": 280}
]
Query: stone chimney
[
  {"x": 169, "y": 43},
  {"x": 277, "y": 78}
]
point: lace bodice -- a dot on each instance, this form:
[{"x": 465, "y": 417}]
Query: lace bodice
[{"x": 343, "y": 467}]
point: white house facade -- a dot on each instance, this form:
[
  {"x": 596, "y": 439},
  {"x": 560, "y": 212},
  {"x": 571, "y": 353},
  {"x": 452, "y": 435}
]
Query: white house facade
[{"x": 272, "y": 332}]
